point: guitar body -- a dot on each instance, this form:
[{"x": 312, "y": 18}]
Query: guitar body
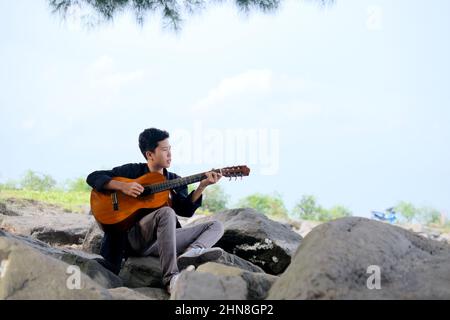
[{"x": 118, "y": 211}]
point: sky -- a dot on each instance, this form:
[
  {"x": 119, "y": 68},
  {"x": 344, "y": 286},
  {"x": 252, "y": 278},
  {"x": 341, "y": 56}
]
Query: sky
[{"x": 349, "y": 102}]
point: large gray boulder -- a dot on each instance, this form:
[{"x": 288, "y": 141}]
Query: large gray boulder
[
  {"x": 258, "y": 284},
  {"x": 193, "y": 285},
  {"x": 83, "y": 260},
  {"x": 26, "y": 273},
  {"x": 214, "y": 281},
  {"x": 256, "y": 238},
  {"x": 142, "y": 272},
  {"x": 342, "y": 259}
]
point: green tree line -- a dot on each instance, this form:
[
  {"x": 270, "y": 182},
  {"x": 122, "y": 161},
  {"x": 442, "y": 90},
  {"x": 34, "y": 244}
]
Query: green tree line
[
  {"x": 215, "y": 200},
  {"x": 34, "y": 181}
]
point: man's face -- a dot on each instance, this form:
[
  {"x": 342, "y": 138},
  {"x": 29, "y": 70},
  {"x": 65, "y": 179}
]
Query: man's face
[{"x": 162, "y": 155}]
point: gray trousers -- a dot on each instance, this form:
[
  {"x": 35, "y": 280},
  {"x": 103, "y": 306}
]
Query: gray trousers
[{"x": 156, "y": 235}]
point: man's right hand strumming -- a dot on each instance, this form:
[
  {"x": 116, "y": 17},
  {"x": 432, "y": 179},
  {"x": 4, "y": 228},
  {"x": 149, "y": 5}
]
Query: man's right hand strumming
[{"x": 132, "y": 189}]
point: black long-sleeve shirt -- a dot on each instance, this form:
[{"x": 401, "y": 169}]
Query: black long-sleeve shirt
[
  {"x": 115, "y": 245},
  {"x": 181, "y": 200}
]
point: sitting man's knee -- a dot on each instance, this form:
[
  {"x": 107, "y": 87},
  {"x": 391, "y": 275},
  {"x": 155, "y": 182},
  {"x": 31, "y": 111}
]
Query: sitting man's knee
[
  {"x": 217, "y": 225},
  {"x": 166, "y": 213}
]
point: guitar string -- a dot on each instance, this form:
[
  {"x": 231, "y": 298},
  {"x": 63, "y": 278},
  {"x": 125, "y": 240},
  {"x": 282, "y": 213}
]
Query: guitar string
[{"x": 171, "y": 184}]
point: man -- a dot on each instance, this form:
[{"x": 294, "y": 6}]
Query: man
[{"x": 159, "y": 232}]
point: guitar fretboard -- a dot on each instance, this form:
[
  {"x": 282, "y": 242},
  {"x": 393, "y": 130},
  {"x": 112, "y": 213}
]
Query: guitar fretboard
[{"x": 174, "y": 183}]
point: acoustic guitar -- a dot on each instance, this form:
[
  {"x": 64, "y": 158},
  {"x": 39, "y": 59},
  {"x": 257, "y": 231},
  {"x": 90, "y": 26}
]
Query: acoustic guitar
[{"x": 114, "y": 210}]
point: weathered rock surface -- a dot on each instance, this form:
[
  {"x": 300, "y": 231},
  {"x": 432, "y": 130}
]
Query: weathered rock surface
[
  {"x": 45, "y": 222},
  {"x": 93, "y": 239},
  {"x": 83, "y": 260},
  {"x": 28, "y": 274},
  {"x": 214, "y": 281},
  {"x": 254, "y": 237},
  {"x": 341, "y": 259}
]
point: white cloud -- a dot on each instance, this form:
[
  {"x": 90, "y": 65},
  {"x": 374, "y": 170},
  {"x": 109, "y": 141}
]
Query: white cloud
[
  {"x": 260, "y": 92},
  {"x": 102, "y": 74},
  {"x": 249, "y": 82}
]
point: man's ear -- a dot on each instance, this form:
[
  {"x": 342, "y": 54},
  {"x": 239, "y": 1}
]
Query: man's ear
[{"x": 147, "y": 155}]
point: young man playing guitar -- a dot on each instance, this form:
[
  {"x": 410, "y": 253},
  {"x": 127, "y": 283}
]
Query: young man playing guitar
[{"x": 158, "y": 232}]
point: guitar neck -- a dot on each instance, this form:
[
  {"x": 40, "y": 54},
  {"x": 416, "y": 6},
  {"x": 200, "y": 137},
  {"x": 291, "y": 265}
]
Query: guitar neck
[{"x": 175, "y": 183}]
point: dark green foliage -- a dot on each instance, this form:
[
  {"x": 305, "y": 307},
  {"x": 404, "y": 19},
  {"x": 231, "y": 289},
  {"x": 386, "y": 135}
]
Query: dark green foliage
[
  {"x": 308, "y": 209},
  {"x": 37, "y": 182},
  {"x": 270, "y": 205},
  {"x": 172, "y": 11}
]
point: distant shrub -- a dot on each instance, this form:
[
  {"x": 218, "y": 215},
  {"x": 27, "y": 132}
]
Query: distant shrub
[
  {"x": 37, "y": 182},
  {"x": 214, "y": 199},
  {"x": 78, "y": 185},
  {"x": 270, "y": 205},
  {"x": 308, "y": 209}
]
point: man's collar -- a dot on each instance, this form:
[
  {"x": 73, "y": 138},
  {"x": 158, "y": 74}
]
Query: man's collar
[{"x": 165, "y": 172}]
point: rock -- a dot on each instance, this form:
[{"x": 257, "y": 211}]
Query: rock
[
  {"x": 306, "y": 227},
  {"x": 146, "y": 271},
  {"x": 302, "y": 227},
  {"x": 61, "y": 253},
  {"x": 46, "y": 222},
  {"x": 153, "y": 293},
  {"x": 415, "y": 227},
  {"x": 193, "y": 285},
  {"x": 5, "y": 211},
  {"x": 124, "y": 293},
  {"x": 235, "y": 261},
  {"x": 339, "y": 260},
  {"x": 445, "y": 237},
  {"x": 214, "y": 281},
  {"x": 81, "y": 259},
  {"x": 426, "y": 232},
  {"x": 142, "y": 272},
  {"x": 59, "y": 236},
  {"x": 254, "y": 237},
  {"x": 93, "y": 240},
  {"x": 30, "y": 207},
  {"x": 258, "y": 284},
  {"x": 28, "y": 274},
  {"x": 101, "y": 275}
]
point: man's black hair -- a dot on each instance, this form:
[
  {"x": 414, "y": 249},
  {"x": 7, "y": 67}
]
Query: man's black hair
[{"x": 149, "y": 138}]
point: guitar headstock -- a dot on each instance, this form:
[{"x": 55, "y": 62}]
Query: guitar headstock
[{"x": 235, "y": 171}]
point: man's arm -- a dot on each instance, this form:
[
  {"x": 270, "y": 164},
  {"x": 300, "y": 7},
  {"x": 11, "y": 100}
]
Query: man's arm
[
  {"x": 185, "y": 204},
  {"x": 197, "y": 193},
  {"x": 101, "y": 180},
  {"x": 211, "y": 178},
  {"x": 182, "y": 202}
]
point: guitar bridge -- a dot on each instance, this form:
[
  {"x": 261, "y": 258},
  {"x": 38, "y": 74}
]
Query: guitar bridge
[{"x": 115, "y": 202}]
